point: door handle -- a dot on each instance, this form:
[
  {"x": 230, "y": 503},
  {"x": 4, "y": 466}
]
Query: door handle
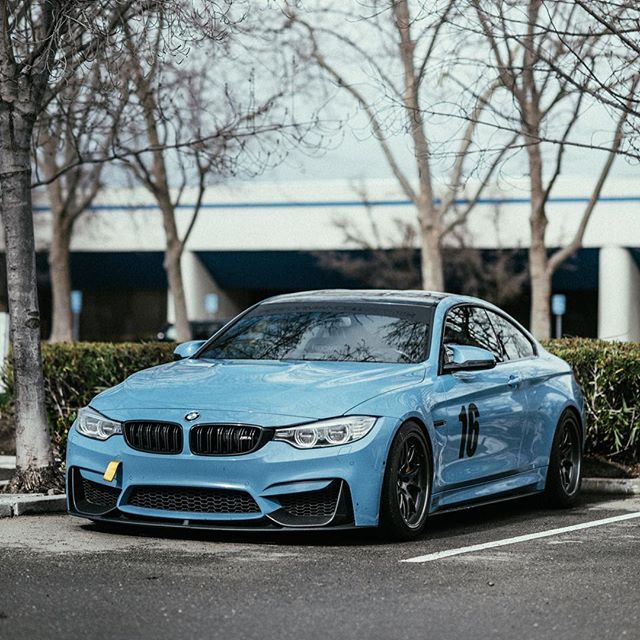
[
  {"x": 464, "y": 375},
  {"x": 514, "y": 381}
]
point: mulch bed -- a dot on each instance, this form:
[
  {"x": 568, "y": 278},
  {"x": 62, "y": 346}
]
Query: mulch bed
[{"x": 597, "y": 467}]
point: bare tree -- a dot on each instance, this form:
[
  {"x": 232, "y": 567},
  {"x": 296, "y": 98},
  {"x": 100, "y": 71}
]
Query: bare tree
[
  {"x": 196, "y": 127},
  {"x": 386, "y": 258},
  {"x": 612, "y": 81},
  {"x": 80, "y": 120},
  {"x": 498, "y": 274},
  {"x": 380, "y": 261},
  {"x": 545, "y": 104},
  {"x": 41, "y": 45},
  {"x": 400, "y": 43}
]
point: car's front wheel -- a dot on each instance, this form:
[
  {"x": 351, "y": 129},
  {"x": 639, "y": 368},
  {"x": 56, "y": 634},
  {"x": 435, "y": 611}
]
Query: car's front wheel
[
  {"x": 564, "y": 475},
  {"x": 406, "y": 488}
]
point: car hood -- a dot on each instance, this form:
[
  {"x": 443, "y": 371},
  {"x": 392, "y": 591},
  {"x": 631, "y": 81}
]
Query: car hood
[{"x": 308, "y": 390}]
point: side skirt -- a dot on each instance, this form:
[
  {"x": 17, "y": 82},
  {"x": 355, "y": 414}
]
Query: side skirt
[{"x": 507, "y": 487}]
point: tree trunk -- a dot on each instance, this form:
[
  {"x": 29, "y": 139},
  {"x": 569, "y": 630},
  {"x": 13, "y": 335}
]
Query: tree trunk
[
  {"x": 33, "y": 445},
  {"x": 172, "y": 254},
  {"x": 430, "y": 251},
  {"x": 431, "y": 254},
  {"x": 540, "y": 275},
  {"x": 540, "y": 320},
  {"x": 159, "y": 186},
  {"x": 173, "y": 268},
  {"x": 60, "y": 272}
]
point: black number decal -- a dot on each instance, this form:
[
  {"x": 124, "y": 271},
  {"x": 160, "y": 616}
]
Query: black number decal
[
  {"x": 463, "y": 438},
  {"x": 470, "y": 430}
]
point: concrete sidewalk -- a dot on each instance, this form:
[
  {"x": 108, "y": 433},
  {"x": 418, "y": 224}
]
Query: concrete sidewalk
[{"x": 20, "y": 504}]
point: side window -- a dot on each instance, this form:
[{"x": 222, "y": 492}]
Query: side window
[
  {"x": 471, "y": 326},
  {"x": 514, "y": 343}
]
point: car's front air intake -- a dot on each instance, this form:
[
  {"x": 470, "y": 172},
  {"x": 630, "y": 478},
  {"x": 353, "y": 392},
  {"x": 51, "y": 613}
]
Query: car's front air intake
[
  {"x": 192, "y": 500},
  {"x": 154, "y": 437},
  {"x": 312, "y": 504},
  {"x": 329, "y": 506},
  {"x": 225, "y": 439},
  {"x": 100, "y": 495},
  {"x": 89, "y": 497}
]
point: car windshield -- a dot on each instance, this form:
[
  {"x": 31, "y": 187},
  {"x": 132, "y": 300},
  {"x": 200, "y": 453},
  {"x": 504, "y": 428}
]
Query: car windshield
[{"x": 393, "y": 333}]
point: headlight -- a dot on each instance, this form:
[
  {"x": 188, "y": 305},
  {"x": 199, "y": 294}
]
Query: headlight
[
  {"x": 94, "y": 425},
  {"x": 327, "y": 433}
]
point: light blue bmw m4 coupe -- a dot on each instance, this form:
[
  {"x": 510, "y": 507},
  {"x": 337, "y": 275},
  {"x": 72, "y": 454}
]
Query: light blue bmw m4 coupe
[{"x": 333, "y": 409}]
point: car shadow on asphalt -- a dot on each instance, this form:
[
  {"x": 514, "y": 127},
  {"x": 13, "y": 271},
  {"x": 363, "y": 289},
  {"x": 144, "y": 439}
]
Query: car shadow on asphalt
[{"x": 446, "y": 525}]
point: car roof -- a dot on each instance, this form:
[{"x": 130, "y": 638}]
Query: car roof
[
  {"x": 389, "y": 296},
  {"x": 362, "y": 295}
]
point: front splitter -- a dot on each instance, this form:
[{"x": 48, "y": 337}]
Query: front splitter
[{"x": 263, "y": 525}]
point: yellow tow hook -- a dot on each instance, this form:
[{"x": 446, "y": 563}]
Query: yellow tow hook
[{"x": 110, "y": 472}]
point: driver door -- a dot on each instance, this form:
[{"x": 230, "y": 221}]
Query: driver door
[{"x": 479, "y": 414}]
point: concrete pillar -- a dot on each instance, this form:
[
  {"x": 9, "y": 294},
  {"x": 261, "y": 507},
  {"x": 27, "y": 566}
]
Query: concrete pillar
[
  {"x": 618, "y": 295},
  {"x": 197, "y": 284}
]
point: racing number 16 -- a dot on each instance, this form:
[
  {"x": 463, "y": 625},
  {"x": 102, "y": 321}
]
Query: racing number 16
[{"x": 470, "y": 430}]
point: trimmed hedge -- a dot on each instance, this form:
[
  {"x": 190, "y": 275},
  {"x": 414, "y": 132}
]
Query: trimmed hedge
[
  {"x": 75, "y": 373},
  {"x": 609, "y": 373}
]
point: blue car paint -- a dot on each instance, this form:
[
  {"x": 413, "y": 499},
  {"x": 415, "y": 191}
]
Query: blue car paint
[
  {"x": 520, "y": 403},
  {"x": 275, "y": 468},
  {"x": 302, "y": 390}
]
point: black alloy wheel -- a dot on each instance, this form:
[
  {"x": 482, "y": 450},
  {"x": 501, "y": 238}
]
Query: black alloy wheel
[
  {"x": 406, "y": 489},
  {"x": 564, "y": 476}
]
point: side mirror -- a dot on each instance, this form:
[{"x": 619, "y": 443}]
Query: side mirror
[
  {"x": 465, "y": 358},
  {"x": 187, "y": 349}
]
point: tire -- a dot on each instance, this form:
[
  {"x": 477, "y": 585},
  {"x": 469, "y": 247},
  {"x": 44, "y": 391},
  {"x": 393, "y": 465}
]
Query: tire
[
  {"x": 564, "y": 476},
  {"x": 406, "y": 489}
]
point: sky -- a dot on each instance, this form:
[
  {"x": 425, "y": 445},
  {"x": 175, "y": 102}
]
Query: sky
[{"x": 354, "y": 154}]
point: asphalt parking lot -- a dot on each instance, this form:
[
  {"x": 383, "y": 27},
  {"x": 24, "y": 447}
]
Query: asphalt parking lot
[{"x": 62, "y": 578}]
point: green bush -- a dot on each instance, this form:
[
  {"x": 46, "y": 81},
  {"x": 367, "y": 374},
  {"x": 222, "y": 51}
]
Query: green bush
[
  {"x": 74, "y": 373},
  {"x": 609, "y": 373}
]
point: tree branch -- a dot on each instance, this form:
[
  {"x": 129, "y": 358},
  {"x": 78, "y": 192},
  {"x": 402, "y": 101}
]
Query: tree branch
[{"x": 563, "y": 254}]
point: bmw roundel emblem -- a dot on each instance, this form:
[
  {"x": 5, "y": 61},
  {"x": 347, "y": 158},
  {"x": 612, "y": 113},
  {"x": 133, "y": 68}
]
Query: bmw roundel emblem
[{"x": 192, "y": 415}]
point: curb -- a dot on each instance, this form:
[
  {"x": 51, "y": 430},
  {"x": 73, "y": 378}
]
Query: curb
[
  {"x": 619, "y": 486},
  {"x": 21, "y": 504}
]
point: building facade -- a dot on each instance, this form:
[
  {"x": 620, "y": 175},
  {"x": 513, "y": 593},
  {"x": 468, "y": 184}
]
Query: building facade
[{"x": 252, "y": 240}]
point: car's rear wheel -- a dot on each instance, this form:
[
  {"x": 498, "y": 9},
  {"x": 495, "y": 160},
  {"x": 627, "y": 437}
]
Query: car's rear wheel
[
  {"x": 406, "y": 489},
  {"x": 564, "y": 475}
]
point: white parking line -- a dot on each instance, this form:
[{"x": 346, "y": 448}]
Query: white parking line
[{"x": 438, "y": 555}]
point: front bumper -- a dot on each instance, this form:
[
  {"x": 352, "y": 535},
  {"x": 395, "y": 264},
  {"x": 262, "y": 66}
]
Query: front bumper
[{"x": 275, "y": 487}]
